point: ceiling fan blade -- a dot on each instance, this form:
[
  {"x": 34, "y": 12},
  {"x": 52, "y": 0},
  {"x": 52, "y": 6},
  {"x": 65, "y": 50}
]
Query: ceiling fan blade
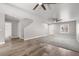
[
  {"x": 43, "y": 6},
  {"x": 35, "y": 7}
]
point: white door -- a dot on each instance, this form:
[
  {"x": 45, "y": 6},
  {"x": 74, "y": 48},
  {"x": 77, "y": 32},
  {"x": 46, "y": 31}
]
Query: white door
[{"x": 8, "y": 30}]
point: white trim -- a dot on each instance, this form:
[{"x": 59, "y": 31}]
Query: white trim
[
  {"x": 2, "y": 43},
  {"x": 35, "y": 37}
]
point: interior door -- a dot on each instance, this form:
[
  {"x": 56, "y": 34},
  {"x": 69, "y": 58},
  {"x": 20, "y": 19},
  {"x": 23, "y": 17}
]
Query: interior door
[{"x": 8, "y": 30}]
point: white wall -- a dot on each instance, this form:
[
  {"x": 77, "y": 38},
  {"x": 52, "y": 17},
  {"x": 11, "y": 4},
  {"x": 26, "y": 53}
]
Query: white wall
[
  {"x": 2, "y": 22},
  {"x": 66, "y": 40},
  {"x": 22, "y": 24},
  {"x": 2, "y": 35},
  {"x": 36, "y": 29}
]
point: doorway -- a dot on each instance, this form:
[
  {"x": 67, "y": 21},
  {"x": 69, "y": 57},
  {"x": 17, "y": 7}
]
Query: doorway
[{"x": 8, "y": 30}]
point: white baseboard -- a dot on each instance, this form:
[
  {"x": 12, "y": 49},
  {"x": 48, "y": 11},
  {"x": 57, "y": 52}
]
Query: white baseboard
[
  {"x": 2, "y": 43},
  {"x": 35, "y": 37}
]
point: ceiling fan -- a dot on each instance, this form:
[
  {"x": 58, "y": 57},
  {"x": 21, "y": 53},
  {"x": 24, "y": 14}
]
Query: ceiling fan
[{"x": 42, "y": 5}]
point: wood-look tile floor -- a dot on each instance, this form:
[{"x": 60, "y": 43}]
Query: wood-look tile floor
[{"x": 33, "y": 47}]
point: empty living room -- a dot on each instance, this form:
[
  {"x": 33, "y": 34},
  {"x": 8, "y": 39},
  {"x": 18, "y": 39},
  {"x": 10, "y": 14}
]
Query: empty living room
[{"x": 39, "y": 29}]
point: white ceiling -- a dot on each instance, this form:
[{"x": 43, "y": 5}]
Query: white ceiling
[
  {"x": 52, "y": 9},
  {"x": 24, "y": 10},
  {"x": 27, "y": 7},
  {"x": 72, "y": 9}
]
